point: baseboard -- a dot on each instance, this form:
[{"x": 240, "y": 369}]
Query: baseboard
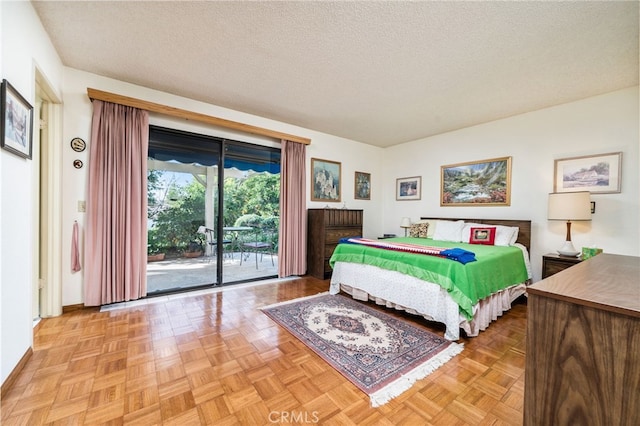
[
  {"x": 36, "y": 327},
  {"x": 6, "y": 386},
  {"x": 72, "y": 308}
]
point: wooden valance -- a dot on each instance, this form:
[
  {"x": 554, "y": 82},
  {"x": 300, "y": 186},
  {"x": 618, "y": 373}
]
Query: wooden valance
[{"x": 190, "y": 115}]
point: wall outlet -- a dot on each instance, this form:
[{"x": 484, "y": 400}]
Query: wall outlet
[{"x": 82, "y": 206}]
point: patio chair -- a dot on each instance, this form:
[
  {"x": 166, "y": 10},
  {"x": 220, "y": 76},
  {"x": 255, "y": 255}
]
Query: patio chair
[
  {"x": 264, "y": 241},
  {"x": 211, "y": 241}
]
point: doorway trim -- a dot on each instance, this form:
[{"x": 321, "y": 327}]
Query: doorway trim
[{"x": 48, "y": 222}]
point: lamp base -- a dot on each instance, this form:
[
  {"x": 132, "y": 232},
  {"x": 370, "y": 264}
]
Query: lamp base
[{"x": 568, "y": 250}]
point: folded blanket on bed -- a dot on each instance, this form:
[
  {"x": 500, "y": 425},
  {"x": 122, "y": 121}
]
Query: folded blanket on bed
[
  {"x": 457, "y": 254},
  {"x": 461, "y": 255}
]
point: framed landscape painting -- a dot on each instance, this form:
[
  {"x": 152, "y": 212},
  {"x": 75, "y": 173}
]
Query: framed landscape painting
[
  {"x": 325, "y": 180},
  {"x": 362, "y": 190},
  {"x": 477, "y": 183},
  {"x": 598, "y": 174},
  {"x": 408, "y": 188},
  {"x": 17, "y": 122}
]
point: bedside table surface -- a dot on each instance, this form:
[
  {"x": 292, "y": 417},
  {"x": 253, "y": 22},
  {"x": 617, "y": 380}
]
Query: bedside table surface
[{"x": 556, "y": 256}]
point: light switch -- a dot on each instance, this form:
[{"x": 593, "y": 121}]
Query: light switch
[{"x": 82, "y": 206}]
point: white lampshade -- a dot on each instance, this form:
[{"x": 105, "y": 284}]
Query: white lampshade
[
  {"x": 405, "y": 222},
  {"x": 569, "y": 206}
]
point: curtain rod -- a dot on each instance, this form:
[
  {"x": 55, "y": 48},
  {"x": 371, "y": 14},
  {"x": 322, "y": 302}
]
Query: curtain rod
[{"x": 100, "y": 95}]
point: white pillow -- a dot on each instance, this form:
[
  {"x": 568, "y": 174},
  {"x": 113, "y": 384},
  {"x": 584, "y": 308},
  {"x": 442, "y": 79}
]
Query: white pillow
[
  {"x": 514, "y": 237},
  {"x": 506, "y": 235},
  {"x": 448, "y": 230},
  {"x": 466, "y": 230}
]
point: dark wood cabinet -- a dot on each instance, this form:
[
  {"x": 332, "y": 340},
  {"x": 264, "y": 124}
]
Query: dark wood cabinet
[
  {"x": 325, "y": 228},
  {"x": 583, "y": 345},
  {"x": 553, "y": 263}
]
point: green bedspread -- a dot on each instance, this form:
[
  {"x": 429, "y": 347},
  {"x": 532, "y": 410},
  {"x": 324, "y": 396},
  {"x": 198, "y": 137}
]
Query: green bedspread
[{"x": 496, "y": 268}]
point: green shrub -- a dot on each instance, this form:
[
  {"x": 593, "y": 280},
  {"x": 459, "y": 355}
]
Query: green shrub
[{"x": 252, "y": 220}]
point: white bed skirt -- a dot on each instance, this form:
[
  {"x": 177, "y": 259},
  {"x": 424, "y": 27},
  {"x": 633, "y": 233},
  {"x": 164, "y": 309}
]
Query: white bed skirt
[{"x": 404, "y": 292}]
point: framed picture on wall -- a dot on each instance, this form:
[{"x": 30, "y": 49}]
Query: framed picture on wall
[
  {"x": 362, "y": 190},
  {"x": 325, "y": 180},
  {"x": 408, "y": 188},
  {"x": 16, "y": 122},
  {"x": 477, "y": 183},
  {"x": 598, "y": 174}
]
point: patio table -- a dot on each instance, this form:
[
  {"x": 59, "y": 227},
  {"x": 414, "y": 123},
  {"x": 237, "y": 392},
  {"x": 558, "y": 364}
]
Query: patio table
[{"x": 234, "y": 232}]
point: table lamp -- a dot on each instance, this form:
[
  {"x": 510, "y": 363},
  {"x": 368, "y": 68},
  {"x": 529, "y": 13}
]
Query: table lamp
[
  {"x": 406, "y": 224},
  {"x": 569, "y": 206}
]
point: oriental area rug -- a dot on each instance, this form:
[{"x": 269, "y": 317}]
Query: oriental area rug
[{"x": 380, "y": 354}]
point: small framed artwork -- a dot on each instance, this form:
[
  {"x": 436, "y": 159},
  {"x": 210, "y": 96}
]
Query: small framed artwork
[
  {"x": 362, "y": 189},
  {"x": 325, "y": 180},
  {"x": 16, "y": 122},
  {"x": 476, "y": 183},
  {"x": 598, "y": 174},
  {"x": 408, "y": 188}
]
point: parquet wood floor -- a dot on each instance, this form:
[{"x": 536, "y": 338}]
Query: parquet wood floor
[{"x": 217, "y": 359}]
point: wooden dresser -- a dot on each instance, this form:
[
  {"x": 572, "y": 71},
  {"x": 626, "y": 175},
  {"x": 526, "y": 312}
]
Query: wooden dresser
[
  {"x": 325, "y": 228},
  {"x": 583, "y": 345}
]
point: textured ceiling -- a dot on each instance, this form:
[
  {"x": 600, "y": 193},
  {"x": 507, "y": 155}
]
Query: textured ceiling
[{"x": 381, "y": 73}]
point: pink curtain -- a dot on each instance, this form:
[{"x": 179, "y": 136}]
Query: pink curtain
[
  {"x": 292, "y": 250},
  {"x": 116, "y": 228}
]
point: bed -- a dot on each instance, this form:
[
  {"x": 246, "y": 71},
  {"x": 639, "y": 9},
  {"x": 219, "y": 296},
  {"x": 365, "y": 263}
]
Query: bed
[{"x": 461, "y": 296}]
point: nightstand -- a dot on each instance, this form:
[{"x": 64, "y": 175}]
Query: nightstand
[{"x": 553, "y": 263}]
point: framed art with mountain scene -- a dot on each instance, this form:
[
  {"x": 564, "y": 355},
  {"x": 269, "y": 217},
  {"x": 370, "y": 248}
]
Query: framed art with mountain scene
[
  {"x": 16, "y": 123},
  {"x": 409, "y": 188},
  {"x": 477, "y": 183},
  {"x": 598, "y": 174},
  {"x": 362, "y": 190},
  {"x": 325, "y": 180}
]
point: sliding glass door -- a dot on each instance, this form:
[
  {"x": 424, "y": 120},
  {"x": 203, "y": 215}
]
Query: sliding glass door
[
  {"x": 213, "y": 209},
  {"x": 251, "y": 211}
]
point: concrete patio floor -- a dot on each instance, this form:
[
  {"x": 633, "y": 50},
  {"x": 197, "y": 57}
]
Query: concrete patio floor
[{"x": 183, "y": 273}]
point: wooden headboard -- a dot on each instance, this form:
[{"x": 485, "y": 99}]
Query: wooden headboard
[{"x": 524, "y": 235}]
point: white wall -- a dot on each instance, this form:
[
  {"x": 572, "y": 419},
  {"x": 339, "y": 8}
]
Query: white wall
[
  {"x": 25, "y": 46},
  {"x": 601, "y": 124},
  {"x": 354, "y": 157},
  {"x": 77, "y": 123}
]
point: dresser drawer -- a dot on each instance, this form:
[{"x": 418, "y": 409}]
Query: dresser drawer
[
  {"x": 552, "y": 267},
  {"x": 333, "y": 235},
  {"x": 325, "y": 229},
  {"x": 328, "y": 250},
  {"x": 342, "y": 217}
]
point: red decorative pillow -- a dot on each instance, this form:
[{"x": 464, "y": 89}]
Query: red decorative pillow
[{"x": 484, "y": 236}]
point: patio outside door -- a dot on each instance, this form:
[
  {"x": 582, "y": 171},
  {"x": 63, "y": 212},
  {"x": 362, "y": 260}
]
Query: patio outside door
[{"x": 201, "y": 220}]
